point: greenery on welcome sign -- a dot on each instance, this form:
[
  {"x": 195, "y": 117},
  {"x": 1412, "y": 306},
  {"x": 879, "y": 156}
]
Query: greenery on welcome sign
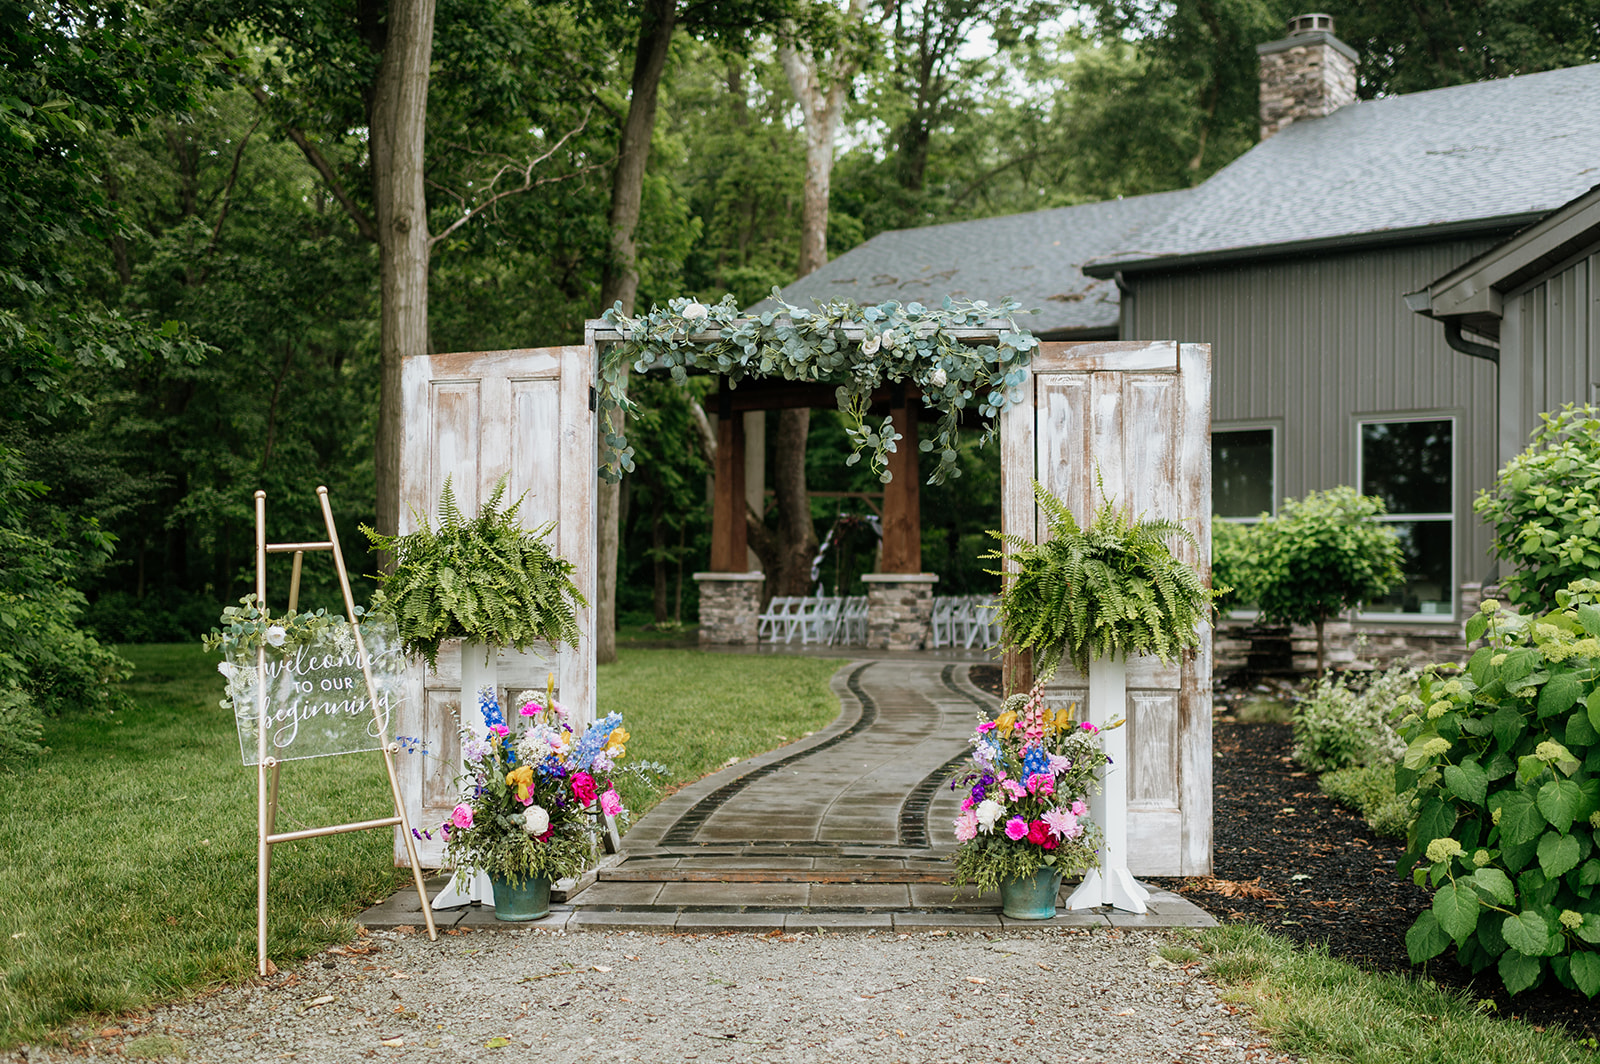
[
  {"x": 1111, "y": 588},
  {"x": 1504, "y": 765},
  {"x": 899, "y": 343},
  {"x": 485, "y": 579},
  {"x": 1545, "y": 507}
]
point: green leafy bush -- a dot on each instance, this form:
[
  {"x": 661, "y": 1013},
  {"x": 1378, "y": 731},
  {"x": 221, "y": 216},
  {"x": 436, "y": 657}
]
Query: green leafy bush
[
  {"x": 1343, "y": 722},
  {"x": 1232, "y": 565},
  {"x": 1112, "y": 588},
  {"x": 1545, "y": 508},
  {"x": 1503, "y": 763},
  {"x": 1321, "y": 556},
  {"x": 20, "y": 726},
  {"x": 1369, "y": 789}
]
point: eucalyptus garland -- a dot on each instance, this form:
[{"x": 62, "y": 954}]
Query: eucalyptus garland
[
  {"x": 246, "y": 626},
  {"x": 856, "y": 348}
]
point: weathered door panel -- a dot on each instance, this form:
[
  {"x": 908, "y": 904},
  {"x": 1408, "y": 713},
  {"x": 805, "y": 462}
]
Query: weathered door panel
[
  {"x": 473, "y": 418},
  {"x": 1130, "y": 421}
]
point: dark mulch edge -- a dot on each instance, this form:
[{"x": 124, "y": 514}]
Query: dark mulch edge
[{"x": 1328, "y": 879}]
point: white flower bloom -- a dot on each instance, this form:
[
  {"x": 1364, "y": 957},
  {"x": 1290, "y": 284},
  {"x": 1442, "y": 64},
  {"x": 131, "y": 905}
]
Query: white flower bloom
[
  {"x": 276, "y": 635},
  {"x": 695, "y": 311},
  {"x": 888, "y": 341},
  {"x": 870, "y": 345},
  {"x": 225, "y": 668},
  {"x": 536, "y": 820},
  {"x": 989, "y": 811},
  {"x": 937, "y": 378}
]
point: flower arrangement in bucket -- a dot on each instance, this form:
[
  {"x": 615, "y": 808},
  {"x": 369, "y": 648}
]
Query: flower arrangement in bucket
[
  {"x": 529, "y": 790},
  {"x": 1024, "y": 822}
]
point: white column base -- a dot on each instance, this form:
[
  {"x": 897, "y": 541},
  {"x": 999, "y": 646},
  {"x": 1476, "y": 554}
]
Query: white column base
[
  {"x": 1117, "y": 888},
  {"x": 478, "y": 889}
]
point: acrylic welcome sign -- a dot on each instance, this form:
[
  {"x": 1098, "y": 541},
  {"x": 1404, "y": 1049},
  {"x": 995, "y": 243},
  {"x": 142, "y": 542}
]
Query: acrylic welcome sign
[{"x": 317, "y": 701}]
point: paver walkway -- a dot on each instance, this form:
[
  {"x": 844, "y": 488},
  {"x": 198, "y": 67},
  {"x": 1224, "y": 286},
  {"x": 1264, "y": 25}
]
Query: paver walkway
[{"x": 848, "y": 828}]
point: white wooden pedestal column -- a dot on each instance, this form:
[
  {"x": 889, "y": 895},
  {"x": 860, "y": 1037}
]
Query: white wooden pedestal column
[
  {"x": 1111, "y": 883},
  {"x": 478, "y": 670}
]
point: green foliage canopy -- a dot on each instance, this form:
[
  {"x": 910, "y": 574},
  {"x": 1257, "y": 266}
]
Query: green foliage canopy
[{"x": 1545, "y": 508}]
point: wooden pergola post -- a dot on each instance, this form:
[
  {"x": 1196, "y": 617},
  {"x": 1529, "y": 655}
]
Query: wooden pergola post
[
  {"x": 902, "y": 504},
  {"x": 730, "y": 596}
]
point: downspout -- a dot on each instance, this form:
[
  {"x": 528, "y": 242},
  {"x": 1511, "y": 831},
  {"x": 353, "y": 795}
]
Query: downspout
[
  {"x": 1124, "y": 306},
  {"x": 1457, "y": 342}
]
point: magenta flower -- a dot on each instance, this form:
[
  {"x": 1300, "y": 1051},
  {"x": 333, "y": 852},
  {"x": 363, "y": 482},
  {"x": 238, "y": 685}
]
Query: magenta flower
[
  {"x": 531, "y": 709},
  {"x": 461, "y": 817},
  {"x": 1041, "y": 783},
  {"x": 986, "y": 726},
  {"x": 1090, "y": 728},
  {"x": 1016, "y": 829},
  {"x": 610, "y": 802},
  {"x": 583, "y": 788},
  {"x": 500, "y": 729}
]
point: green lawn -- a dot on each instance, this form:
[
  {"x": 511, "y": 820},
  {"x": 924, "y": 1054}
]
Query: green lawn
[{"x": 128, "y": 869}]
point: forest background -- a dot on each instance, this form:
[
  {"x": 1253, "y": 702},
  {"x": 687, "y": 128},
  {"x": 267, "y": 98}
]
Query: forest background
[{"x": 197, "y": 236}]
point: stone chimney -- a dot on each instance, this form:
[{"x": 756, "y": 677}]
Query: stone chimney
[{"x": 1308, "y": 74}]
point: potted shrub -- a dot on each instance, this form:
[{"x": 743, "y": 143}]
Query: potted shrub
[
  {"x": 528, "y": 788},
  {"x": 1024, "y": 822}
]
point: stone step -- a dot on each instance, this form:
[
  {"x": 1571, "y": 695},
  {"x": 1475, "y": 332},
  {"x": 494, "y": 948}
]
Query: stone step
[{"x": 771, "y": 875}]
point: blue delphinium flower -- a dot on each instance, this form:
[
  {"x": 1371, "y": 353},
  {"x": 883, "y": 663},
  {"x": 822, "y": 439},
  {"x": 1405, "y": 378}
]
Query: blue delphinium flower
[
  {"x": 1035, "y": 759},
  {"x": 489, "y": 703}
]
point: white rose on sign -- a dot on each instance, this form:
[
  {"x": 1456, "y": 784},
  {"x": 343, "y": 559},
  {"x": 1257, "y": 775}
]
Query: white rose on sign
[
  {"x": 937, "y": 378},
  {"x": 536, "y": 820},
  {"x": 276, "y": 635}
]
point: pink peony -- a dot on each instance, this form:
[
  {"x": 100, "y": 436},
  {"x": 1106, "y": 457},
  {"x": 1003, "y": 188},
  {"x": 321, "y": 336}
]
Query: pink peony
[
  {"x": 1016, "y": 829},
  {"x": 583, "y": 788},
  {"x": 500, "y": 730},
  {"x": 610, "y": 802},
  {"x": 1079, "y": 808},
  {"x": 1013, "y": 788},
  {"x": 531, "y": 709},
  {"x": 1041, "y": 783},
  {"x": 967, "y": 826},
  {"x": 462, "y": 816}
]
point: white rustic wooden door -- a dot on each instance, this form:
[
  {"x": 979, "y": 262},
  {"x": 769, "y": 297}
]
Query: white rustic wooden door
[
  {"x": 1138, "y": 414},
  {"x": 476, "y": 417}
]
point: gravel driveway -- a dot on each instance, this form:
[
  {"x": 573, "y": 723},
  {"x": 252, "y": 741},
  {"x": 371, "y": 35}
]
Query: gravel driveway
[{"x": 1050, "y": 995}]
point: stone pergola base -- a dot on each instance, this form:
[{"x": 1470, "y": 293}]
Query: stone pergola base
[
  {"x": 730, "y": 605},
  {"x": 899, "y": 609}
]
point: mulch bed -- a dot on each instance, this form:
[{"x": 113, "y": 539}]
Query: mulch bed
[{"x": 1303, "y": 866}]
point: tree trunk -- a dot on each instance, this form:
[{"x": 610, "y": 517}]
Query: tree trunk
[
  {"x": 797, "y": 535},
  {"x": 620, "y": 279},
  {"x": 1320, "y": 653},
  {"x": 398, "y": 125}
]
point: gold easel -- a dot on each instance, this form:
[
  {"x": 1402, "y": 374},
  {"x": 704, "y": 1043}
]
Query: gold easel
[{"x": 267, "y": 767}]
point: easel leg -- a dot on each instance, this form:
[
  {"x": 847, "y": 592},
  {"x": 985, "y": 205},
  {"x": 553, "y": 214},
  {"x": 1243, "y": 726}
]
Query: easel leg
[{"x": 263, "y": 856}]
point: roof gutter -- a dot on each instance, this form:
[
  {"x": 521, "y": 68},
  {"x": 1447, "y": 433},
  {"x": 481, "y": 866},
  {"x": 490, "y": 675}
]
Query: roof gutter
[
  {"x": 1503, "y": 225},
  {"x": 1457, "y": 342}
]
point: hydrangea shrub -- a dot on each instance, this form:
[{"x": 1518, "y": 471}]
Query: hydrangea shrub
[{"x": 1504, "y": 764}]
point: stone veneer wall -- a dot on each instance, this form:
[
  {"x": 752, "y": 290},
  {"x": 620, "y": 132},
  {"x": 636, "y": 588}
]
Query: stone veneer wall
[
  {"x": 899, "y": 610},
  {"x": 1360, "y": 645},
  {"x": 1304, "y": 77},
  {"x": 730, "y": 608}
]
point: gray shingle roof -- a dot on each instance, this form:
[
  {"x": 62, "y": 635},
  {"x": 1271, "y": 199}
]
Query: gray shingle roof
[
  {"x": 1493, "y": 149},
  {"x": 1034, "y": 258}
]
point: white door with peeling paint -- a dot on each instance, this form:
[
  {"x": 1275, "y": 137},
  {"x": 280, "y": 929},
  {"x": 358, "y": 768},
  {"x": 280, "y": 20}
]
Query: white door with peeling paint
[
  {"x": 474, "y": 418},
  {"x": 1137, "y": 414}
]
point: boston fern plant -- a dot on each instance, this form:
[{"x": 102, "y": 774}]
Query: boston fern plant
[
  {"x": 484, "y": 579},
  {"x": 1113, "y": 588}
]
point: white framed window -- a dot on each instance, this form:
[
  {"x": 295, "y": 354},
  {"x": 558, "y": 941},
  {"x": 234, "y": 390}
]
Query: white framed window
[
  {"x": 1410, "y": 463},
  {"x": 1244, "y": 472}
]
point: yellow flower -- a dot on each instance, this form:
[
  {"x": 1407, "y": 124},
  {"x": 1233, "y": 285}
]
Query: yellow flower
[
  {"x": 1005, "y": 721},
  {"x": 522, "y": 780},
  {"x": 615, "y": 742}
]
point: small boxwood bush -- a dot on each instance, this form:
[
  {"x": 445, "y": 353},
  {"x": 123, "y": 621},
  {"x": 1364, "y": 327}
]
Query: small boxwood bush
[
  {"x": 1369, "y": 789},
  {"x": 1503, "y": 762}
]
